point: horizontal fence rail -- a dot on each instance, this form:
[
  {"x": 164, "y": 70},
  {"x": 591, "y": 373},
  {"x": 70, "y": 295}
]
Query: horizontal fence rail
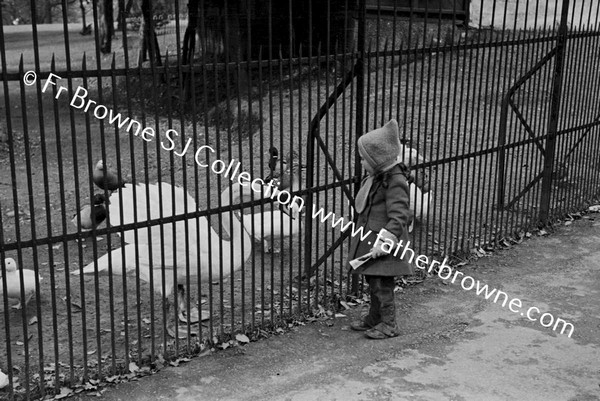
[{"x": 160, "y": 253}]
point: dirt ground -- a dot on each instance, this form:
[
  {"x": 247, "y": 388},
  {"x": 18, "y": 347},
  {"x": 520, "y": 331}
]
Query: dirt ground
[{"x": 454, "y": 344}]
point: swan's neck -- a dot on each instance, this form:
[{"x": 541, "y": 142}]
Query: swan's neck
[{"x": 238, "y": 236}]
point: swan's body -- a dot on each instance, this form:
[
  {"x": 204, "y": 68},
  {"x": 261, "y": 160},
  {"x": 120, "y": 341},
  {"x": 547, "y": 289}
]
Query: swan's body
[
  {"x": 169, "y": 247},
  {"x": 420, "y": 194},
  {"x": 410, "y": 157},
  {"x": 3, "y": 380},
  {"x": 13, "y": 283},
  {"x": 419, "y": 203}
]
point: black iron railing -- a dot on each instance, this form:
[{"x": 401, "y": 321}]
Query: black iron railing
[{"x": 477, "y": 102}]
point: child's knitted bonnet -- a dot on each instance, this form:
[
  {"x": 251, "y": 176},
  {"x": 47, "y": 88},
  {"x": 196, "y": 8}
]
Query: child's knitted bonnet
[{"x": 381, "y": 147}]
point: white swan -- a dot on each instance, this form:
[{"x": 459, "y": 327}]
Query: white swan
[
  {"x": 206, "y": 252},
  {"x": 13, "y": 283},
  {"x": 421, "y": 197},
  {"x": 419, "y": 204},
  {"x": 410, "y": 156}
]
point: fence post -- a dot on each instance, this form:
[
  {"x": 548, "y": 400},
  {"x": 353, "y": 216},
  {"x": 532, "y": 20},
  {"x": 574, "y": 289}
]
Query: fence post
[
  {"x": 550, "y": 149},
  {"x": 310, "y": 172},
  {"x": 360, "y": 103}
]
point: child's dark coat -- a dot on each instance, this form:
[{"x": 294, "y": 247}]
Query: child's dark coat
[{"x": 387, "y": 207}]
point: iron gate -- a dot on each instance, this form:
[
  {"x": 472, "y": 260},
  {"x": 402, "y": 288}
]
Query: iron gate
[{"x": 556, "y": 145}]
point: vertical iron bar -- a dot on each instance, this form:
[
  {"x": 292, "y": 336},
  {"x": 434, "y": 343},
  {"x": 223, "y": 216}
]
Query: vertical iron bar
[
  {"x": 205, "y": 108},
  {"x": 30, "y": 193},
  {"x": 432, "y": 220},
  {"x": 271, "y": 139},
  {"x": 351, "y": 140},
  {"x": 489, "y": 121},
  {"x": 248, "y": 72},
  {"x": 45, "y": 183},
  {"x": 262, "y": 206},
  {"x": 292, "y": 152},
  {"x": 63, "y": 202},
  {"x": 300, "y": 180},
  {"x": 543, "y": 117},
  {"x": 13, "y": 177},
  {"x": 513, "y": 64},
  {"x": 98, "y": 59},
  {"x": 195, "y": 134},
  {"x": 327, "y": 127},
  {"x": 241, "y": 221},
  {"x": 422, "y": 117},
  {"x": 134, "y": 200},
  {"x": 525, "y": 166},
  {"x": 451, "y": 211},
  {"x": 94, "y": 245},
  {"x": 343, "y": 138},
  {"x": 527, "y": 162},
  {"x": 228, "y": 73},
  {"x": 334, "y": 145},
  {"x": 392, "y": 65},
  {"x": 184, "y": 165},
  {"x": 310, "y": 154},
  {"x": 502, "y": 80},
  {"x": 477, "y": 125},
  {"x": 554, "y": 116},
  {"x": 151, "y": 247},
  {"x": 360, "y": 105},
  {"x": 582, "y": 111},
  {"x": 281, "y": 142},
  {"x": 173, "y": 210},
  {"x": 317, "y": 165}
]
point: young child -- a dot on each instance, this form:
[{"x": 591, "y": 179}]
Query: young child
[{"x": 382, "y": 205}]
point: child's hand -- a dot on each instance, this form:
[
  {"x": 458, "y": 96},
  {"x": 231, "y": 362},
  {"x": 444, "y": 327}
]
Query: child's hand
[
  {"x": 384, "y": 237},
  {"x": 377, "y": 251}
]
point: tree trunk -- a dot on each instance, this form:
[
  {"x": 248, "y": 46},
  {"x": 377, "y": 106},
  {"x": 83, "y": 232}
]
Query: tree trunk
[
  {"x": 48, "y": 12},
  {"x": 189, "y": 39},
  {"x": 189, "y": 46},
  {"x": 86, "y": 29},
  {"x": 124, "y": 14},
  {"x": 150, "y": 50},
  {"x": 106, "y": 24}
]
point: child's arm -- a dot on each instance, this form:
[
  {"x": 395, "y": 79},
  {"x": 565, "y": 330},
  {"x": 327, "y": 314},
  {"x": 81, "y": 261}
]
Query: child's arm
[
  {"x": 397, "y": 202},
  {"x": 398, "y": 212}
]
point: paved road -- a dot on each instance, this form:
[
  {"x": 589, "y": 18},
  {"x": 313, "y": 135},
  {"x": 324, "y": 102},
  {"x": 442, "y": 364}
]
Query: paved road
[{"x": 454, "y": 345}]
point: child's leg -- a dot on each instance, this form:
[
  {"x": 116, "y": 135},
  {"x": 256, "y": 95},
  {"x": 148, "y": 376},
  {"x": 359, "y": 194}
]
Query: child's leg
[
  {"x": 387, "y": 306},
  {"x": 374, "y": 316},
  {"x": 375, "y": 309}
]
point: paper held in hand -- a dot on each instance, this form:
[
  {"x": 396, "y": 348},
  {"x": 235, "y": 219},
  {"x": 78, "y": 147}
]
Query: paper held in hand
[{"x": 356, "y": 263}]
